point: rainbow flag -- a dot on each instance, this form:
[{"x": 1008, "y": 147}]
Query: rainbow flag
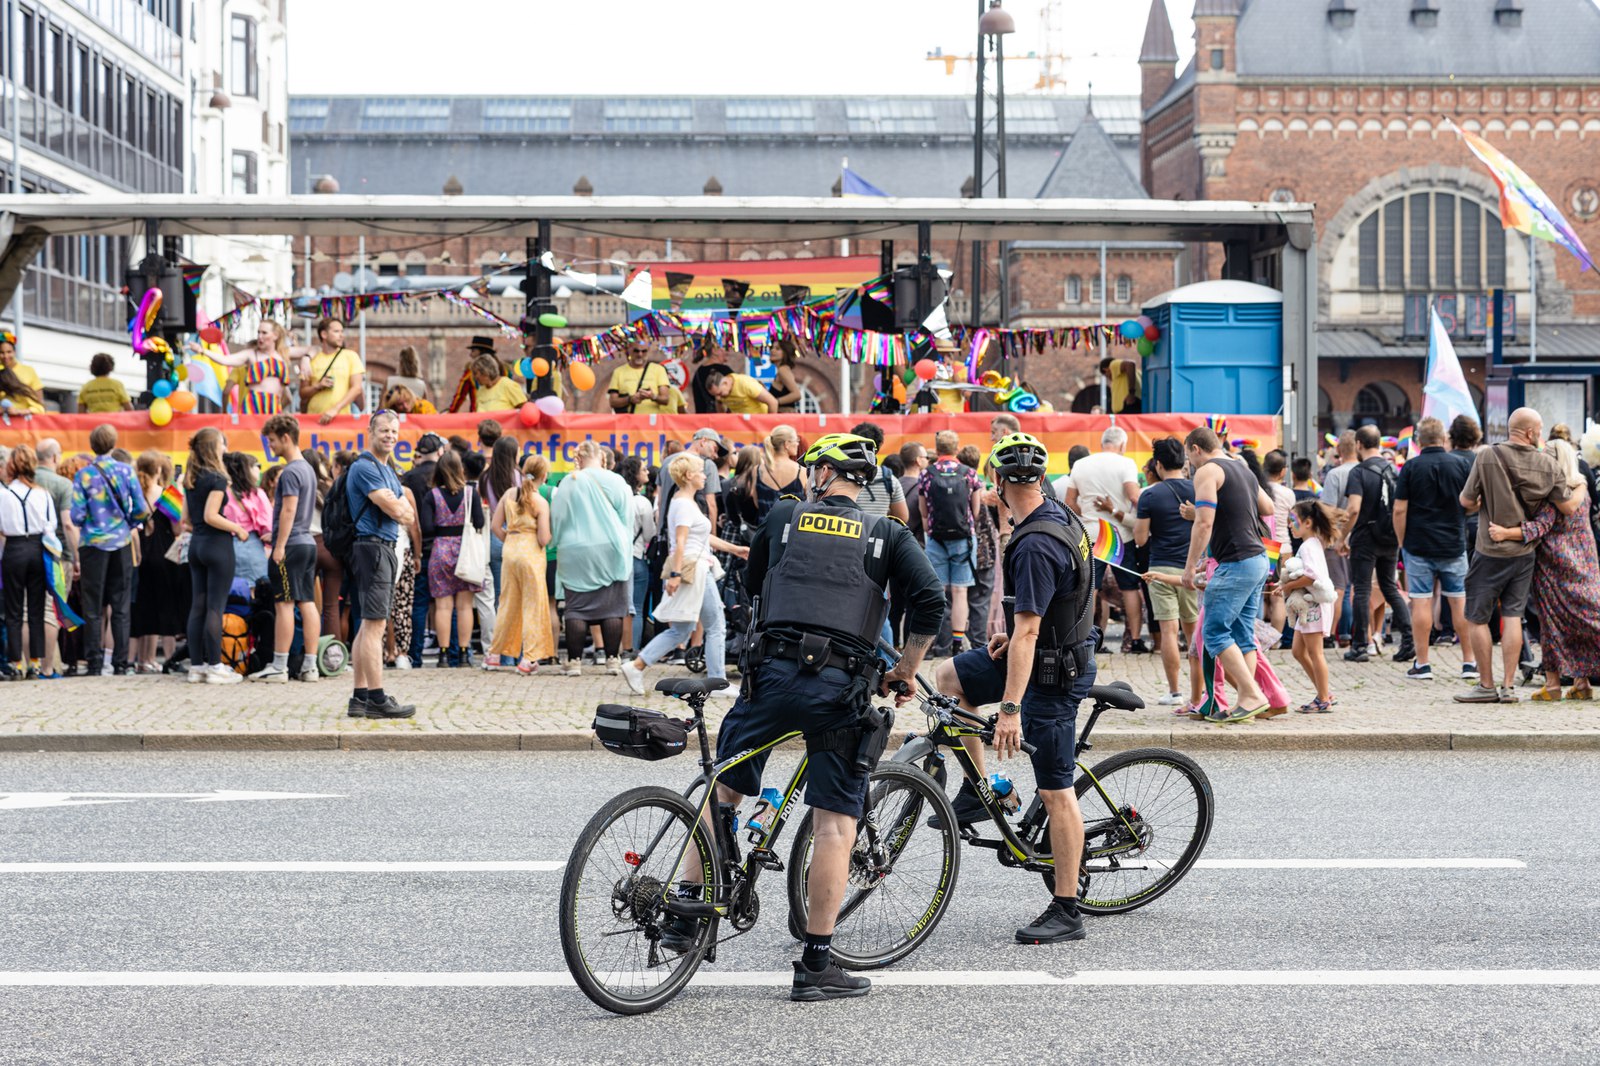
[
  {"x": 1274, "y": 551},
  {"x": 170, "y": 503},
  {"x": 1108, "y": 544},
  {"x": 58, "y": 579},
  {"x": 1523, "y": 205}
]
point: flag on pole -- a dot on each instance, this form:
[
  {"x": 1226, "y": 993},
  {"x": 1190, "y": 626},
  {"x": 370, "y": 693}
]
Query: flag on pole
[
  {"x": 1444, "y": 393},
  {"x": 853, "y": 184},
  {"x": 1108, "y": 544},
  {"x": 1523, "y": 205},
  {"x": 170, "y": 503}
]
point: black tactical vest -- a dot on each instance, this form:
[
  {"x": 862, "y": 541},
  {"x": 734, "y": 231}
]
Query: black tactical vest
[
  {"x": 1069, "y": 620},
  {"x": 825, "y": 581}
]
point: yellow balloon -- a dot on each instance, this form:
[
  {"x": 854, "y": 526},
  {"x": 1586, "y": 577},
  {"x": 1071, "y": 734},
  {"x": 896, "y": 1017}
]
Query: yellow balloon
[
  {"x": 160, "y": 412},
  {"x": 183, "y": 372}
]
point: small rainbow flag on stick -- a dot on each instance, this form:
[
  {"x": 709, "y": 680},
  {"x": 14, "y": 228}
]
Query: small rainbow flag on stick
[
  {"x": 1274, "y": 551},
  {"x": 1108, "y": 546},
  {"x": 170, "y": 503}
]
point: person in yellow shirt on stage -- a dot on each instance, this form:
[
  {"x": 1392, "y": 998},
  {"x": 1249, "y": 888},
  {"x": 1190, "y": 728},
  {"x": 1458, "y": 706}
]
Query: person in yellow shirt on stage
[
  {"x": 496, "y": 391},
  {"x": 741, "y": 394},
  {"x": 103, "y": 394},
  {"x": 20, "y": 383},
  {"x": 333, "y": 381},
  {"x": 640, "y": 386}
]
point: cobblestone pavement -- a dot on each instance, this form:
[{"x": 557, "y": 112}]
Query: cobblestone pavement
[{"x": 1377, "y": 707}]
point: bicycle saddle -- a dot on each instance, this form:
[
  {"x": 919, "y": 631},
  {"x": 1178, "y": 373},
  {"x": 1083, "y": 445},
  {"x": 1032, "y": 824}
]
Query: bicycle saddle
[
  {"x": 1118, "y": 694},
  {"x": 692, "y": 686}
]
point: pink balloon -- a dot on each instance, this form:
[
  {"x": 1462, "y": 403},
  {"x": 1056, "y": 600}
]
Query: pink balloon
[{"x": 550, "y": 405}]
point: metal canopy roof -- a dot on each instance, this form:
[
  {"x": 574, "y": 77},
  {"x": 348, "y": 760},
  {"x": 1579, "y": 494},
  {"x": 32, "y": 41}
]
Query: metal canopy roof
[{"x": 654, "y": 217}]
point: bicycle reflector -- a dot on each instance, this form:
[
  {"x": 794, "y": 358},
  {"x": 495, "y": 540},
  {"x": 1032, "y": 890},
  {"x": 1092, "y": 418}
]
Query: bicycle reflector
[{"x": 632, "y": 858}]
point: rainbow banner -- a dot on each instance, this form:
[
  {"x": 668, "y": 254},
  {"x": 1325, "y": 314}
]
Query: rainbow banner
[
  {"x": 1523, "y": 205},
  {"x": 644, "y": 436},
  {"x": 700, "y": 287},
  {"x": 1108, "y": 544}
]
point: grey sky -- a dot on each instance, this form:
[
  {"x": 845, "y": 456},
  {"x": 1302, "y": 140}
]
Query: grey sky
[{"x": 837, "y": 47}]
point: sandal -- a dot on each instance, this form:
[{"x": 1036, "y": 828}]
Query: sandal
[
  {"x": 1579, "y": 692},
  {"x": 1273, "y": 712},
  {"x": 1546, "y": 695},
  {"x": 1316, "y": 707}
]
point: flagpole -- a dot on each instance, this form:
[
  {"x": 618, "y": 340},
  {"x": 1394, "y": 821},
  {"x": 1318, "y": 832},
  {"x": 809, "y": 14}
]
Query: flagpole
[{"x": 1533, "y": 298}]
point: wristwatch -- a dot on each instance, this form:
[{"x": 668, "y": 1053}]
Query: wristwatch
[
  {"x": 1009, "y": 708},
  {"x": 674, "y": 574}
]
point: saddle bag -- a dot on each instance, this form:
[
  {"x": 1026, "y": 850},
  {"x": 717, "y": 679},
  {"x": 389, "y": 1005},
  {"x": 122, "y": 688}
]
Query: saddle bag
[{"x": 640, "y": 733}]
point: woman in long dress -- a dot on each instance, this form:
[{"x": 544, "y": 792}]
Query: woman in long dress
[
  {"x": 522, "y": 633},
  {"x": 1566, "y": 585}
]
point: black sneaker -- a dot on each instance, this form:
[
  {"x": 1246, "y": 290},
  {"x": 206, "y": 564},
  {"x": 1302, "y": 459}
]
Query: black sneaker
[
  {"x": 389, "y": 708},
  {"x": 1469, "y": 671},
  {"x": 677, "y": 935},
  {"x": 1138, "y": 647},
  {"x": 968, "y": 807},
  {"x": 831, "y": 983},
  {"x": 1407, "y": 653},
  {"x": 1052, "y": 927},
  {"x": 1420, "y": 672},
  {"x": 1355, "y": 656},
  {"x": 357, "y": 708}
]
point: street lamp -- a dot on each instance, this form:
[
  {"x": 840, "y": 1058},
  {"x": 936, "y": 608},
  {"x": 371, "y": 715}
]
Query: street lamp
[{"x": 994, "y": 22}]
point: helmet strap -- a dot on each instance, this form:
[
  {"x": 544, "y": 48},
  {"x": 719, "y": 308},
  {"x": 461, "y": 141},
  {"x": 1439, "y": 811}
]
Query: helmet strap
[{"x": 819, "y": 491}]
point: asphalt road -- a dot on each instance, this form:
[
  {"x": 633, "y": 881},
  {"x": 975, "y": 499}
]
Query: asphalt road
[{"x": 1349, "y": 964}]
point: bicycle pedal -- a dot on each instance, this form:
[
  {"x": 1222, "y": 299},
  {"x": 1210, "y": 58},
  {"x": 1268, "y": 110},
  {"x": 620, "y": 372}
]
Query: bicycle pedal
[{"x": 767, "y": 859}]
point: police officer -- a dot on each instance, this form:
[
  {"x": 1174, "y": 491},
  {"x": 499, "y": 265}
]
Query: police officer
[
  {"x": 825, "y": 571},
  {"x": 1040, "y": 669}
]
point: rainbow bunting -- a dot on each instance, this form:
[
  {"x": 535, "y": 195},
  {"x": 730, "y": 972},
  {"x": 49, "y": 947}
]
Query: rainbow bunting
[
  {"x": 170, "y": 503},
  {"x": 1108, "y": 544}
]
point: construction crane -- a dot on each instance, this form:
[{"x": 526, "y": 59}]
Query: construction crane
[{"x": 1051, "y": 55}]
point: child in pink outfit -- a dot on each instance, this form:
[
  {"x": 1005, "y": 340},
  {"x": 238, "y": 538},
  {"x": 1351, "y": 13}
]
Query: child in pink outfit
[{"x": 1272, "y": 688}]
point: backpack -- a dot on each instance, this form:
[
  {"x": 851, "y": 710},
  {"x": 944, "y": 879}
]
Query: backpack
[
  {"x": 1382, "y": 527},
  {"x": 338, "y": 521},
  {"x": 949, "y": 502}
]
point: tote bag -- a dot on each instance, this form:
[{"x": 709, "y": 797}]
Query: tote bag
[{"x": 473, "y": 562}]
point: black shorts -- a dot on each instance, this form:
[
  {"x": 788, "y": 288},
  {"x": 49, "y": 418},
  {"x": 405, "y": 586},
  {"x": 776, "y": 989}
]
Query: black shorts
[
  {"x": 372, "y": 573},
  {"x": 787, "y": 700},
  {"x": 1049, "y": 719},
  {"x": 295, "y": 579},
  {"x": 1495, "y": 579},
  {"x": 1127, "y": 582}
]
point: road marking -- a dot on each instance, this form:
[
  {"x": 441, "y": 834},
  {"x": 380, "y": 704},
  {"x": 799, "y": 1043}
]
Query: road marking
[
  {"x": 1361, "y": 864},
  {"x": 537, "y": 866},
  {"x": 1197, "y": 979},
  {"x": 12, "y": 801}
]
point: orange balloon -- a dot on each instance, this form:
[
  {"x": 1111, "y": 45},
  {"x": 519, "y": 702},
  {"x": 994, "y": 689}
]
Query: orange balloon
[
  {"x": 541, "y": 366},
  {"x": 582, "y": 376},
  {"x": 182, "y": 400}
]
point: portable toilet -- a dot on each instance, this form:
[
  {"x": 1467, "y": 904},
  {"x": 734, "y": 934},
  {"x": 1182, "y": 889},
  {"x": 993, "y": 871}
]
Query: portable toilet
[{"x": 1220, "y": 349}]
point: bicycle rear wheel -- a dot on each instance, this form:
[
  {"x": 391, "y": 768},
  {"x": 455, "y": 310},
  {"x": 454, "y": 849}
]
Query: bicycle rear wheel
[
  {"x": 902, "y": 873},
  {"x": 622, "y": 871},
  {"x": 1148, "y": 837}
]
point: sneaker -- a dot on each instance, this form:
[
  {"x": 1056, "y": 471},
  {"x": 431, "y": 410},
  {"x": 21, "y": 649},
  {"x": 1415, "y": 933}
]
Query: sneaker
[
  {"x": 1469, "y": 671},
  {"x": 1138, "y": 647},
  {"x": 1354, "y": 656},
  {"x": 677, "y": 935},
  {"x": 613, "y": 666},
  {"x": 1329, "y": 643},
  {"x": 1408, "y": 650},
  {"x": 831, "y": 983},
  {"x": 573, "y": 669},
  {"x": 1508, "y": 694},
  {"x": 272, "y": 674},
  {"x": 356, "y": 708},
  {"x": 402, "y": 663},
  {"x": 957, "y": 647},
  {"x": 1477, "y": 694},
  {"x": 634, "y": 677},
  {"x": 311, "y": 673},
  {"x": 1172, "y": 699},
  {"x": 220, "y": 674},
  {"x": 968, "y": 807},
  {"x": 197, "y": 674},
  {"x": 389, "y": 708},
  {"x": 1054, "y": 926},
  {"x": 1420, "y": 672},
  {"x": 492, "y": 662}
]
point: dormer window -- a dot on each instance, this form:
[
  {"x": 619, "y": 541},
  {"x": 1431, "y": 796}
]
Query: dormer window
[
  {"x": 1507, "y": 13},
  {"x": 1424, "y": 14},
  {"x": 1341, "y": 14}
]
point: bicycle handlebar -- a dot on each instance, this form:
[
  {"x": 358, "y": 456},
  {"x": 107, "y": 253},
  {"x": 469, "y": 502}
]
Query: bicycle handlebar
[{"x": 945, "y": 707}]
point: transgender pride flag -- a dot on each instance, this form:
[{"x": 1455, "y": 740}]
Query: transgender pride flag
[{"x": 1445, "y": 394}]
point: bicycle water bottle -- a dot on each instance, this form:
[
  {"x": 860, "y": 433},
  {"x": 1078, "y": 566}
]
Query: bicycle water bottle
[
  {"x": 1005, "y": 792},
  {"x": 771, "y": 798}
]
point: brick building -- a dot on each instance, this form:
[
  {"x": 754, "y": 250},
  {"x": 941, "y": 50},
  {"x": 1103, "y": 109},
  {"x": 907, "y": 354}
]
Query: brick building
[{"x": 1342, "y": 103}]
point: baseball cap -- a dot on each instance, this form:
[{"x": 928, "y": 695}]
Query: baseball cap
[
  {"x": 707, "y": 433},
  {"x": 430, "y": 442}
]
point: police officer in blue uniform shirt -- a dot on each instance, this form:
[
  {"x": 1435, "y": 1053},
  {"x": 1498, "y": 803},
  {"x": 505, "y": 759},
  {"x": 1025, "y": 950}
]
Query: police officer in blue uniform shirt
[
  {"x": 1040, "y": 669},
  {"x": 825, "y": 571}
]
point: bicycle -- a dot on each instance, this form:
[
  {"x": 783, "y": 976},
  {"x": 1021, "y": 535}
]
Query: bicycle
[
  {"x": 651, "y": 857},
  {"x": 1145, "y": 811}
]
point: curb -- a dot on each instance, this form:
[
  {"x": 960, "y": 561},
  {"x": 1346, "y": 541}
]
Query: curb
[{"x": 583, "y": 740}]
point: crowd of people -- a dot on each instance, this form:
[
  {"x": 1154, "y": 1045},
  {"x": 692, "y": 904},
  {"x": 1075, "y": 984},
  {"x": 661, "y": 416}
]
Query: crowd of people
[{"x": 477, "y": 556}]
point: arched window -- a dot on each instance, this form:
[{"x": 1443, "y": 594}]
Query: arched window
[
  {"x": 1431, "y": 242},
  {"x": 1074, "y": 289},
  {"x": 1124, "y": 289},
  {"x": 1385, "y": 404}
]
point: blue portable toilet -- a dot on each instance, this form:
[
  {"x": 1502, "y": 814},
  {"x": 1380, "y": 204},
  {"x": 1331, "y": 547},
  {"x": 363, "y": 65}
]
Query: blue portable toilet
[{"x": 1220, "y": 349}]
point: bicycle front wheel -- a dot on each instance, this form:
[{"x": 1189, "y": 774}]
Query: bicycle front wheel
[
  {"x": 902, "y": 873},
  {"x": 625, "y": 950},
  {"x": 1148, "y": 836}
]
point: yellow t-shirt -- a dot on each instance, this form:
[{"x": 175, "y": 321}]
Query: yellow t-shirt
[
  {"x": 337, "y": 368},
  {"x": 626, "y": 381},
  {"x": 101, "y": 396},
  {"x": 503, "y": 395},
  {"x": 745, "y": 396},
  {"x": 29, "y": 377},
  {"x": 1125, "y": 381},
  {"x": 677, "y": 404}
]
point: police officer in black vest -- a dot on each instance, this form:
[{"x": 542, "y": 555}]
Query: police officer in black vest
[
  {"x": 825, "y": 571},
  {"x": 1040, "y": 669}
]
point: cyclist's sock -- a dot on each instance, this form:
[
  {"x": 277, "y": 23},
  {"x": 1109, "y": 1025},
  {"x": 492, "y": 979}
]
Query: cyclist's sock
[
  {"x": 360, "y": 694},
  {"x": 375, "y": 695},
  {"x": 818, "y": 952},
  {"x": 1068, "y": 904}
]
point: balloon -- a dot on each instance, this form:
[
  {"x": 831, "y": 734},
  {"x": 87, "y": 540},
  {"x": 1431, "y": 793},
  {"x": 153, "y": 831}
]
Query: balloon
[
  {"x": 1145, "y": 320},
  {"x": 1144, "y": 347},
  {"x": 529, "y": 414},
  {"x": 551, "y": 320},
  {"x": 525, "y": 368},
  {"x": 926, "y": 369},
  {"x": 160, "y": 412},
  {"x": 1152, "y": 332},
  {"x": 5, "y": 404},
  {"x": 1131, "y": 330},
  {"x": 540, "y": 367},
  {"x": 909, "y": 376},
  {"x": 182, "y": 401},
  {"x": 183, "y": 373},
  {"x": 162, "y": 387},
  {"x": 899, "y": 391},
  {"x": 582, "y": 375},
  {"x": 211, "y": 335},
  {"x": 550, "y": 405}
]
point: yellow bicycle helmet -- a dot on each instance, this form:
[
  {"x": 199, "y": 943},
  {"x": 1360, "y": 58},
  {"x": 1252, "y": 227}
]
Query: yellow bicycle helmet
[
  {"x": 1019, "y": 458},
  {"x": 855, "y": 458}
]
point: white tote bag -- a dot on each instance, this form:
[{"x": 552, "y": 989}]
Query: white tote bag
[{"x": 473, "y": 562}]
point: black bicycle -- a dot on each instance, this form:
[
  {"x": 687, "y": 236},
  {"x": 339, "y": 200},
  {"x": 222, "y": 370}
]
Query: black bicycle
[
  {"x": 1147, "y": 812},
  {"x": 655, "y": 874}
]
